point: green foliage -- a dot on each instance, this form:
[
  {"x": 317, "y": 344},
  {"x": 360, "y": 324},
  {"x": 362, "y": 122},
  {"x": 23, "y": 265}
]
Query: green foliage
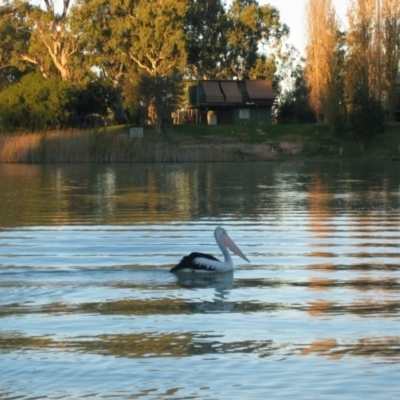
[
  {"x": 367, "y": 116},
  {"x": 155, "y": 98},
  {"x": 248, "y": 26},
  {"x": 93, "y": 99},
  {"x": 127, "y": 41},
  {"x": 15, "y": 34},
  {"x": 225, "y": 43},
  {"x": 292, "y": 106},
  {"x": 36, "y": 103},
  {"x": 205, "y": 26},
  {"x": 293, "y": 110},
  {"x": 156, "y": 36}
]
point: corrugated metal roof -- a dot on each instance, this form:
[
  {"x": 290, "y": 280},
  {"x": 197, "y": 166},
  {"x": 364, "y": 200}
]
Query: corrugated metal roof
[
  {"x": 231, "y": 91},
  {"x": 213, "y": 92},
  {"x": 260, "y": 90}
]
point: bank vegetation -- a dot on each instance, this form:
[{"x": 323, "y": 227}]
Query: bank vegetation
[
  {"x": 73, "y": 65},
  {"x": 228, "y": 143}
]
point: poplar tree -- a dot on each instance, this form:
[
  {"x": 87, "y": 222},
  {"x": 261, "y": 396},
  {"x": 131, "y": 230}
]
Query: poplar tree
[
  {"x": 323, "y": 69},
  {"x": 364, "y": 69},
  {"x": 390, "y": 28}
]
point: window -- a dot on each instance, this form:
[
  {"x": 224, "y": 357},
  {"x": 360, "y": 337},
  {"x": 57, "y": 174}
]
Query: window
[{"x": 244, "y": 113}]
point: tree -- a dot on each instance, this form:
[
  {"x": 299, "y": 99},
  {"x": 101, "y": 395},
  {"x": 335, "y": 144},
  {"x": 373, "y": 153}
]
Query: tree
[
  {"x": 36, "y": 103},
  {"x": 362, "y": 63},
  {"x": 149, "y": 45},
  {"x": 333, "y": 101},
  {"x": 10, "y": 68},
  {"x": 100, "y": 25},
  {"x": 156, "y": 36},
  {"x": 15, "y": 35},
  {"x": 364, "y": 67},
  {"x": 46, "y": 40},
  {"x": 162, "y": 94},
  {"x": 158, "y": 48},
  {"x": 205, "y": 26},
  {"x": 366, "y": 116},
  {"x": 323, "y": 69},
  {"x": 134, "y": 40},
  {"x": 250, "y": 27},
  {"x": 390, "y": 28},
  {"x": 292, "y": 104}
]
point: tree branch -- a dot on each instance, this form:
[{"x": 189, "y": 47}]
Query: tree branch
[
  {"x": 49, "y": 6},
  {"x": 65, "y": 8},
  {"x": 141, "y": 65}
]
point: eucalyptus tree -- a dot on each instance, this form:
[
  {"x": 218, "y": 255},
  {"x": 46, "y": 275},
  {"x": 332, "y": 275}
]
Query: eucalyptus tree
[
  {"x": 156, "y": 36},
  {"x": 251, "y": 28},
  {"x": 205, "y": 28},
  {"x": 101, "y": 26},
  {"x": 43, "y": 37},
  {"x": 157, "y": 46},
  {"x": 135, "y": 41},
  {"x": 14, "y": 41}
]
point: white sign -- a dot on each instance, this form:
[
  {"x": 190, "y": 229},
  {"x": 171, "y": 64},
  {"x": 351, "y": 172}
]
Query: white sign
[{"x": 136, "y": 132}]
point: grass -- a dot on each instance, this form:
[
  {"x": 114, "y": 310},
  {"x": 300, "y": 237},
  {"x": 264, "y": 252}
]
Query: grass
[
  {"x": 201, "y": 143},
  {"x": 106, "y": 146}
]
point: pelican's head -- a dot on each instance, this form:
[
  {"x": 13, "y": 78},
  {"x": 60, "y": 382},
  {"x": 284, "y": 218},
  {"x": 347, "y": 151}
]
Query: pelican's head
[{"x": 222, "y": 238}]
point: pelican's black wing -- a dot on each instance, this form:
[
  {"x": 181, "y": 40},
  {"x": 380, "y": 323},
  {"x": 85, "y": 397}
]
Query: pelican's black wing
[{"x": 187, "y": 262}]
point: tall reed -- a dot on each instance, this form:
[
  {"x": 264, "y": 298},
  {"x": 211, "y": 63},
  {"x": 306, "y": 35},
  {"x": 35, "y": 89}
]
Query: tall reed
[{"x": 101, "y": 147}]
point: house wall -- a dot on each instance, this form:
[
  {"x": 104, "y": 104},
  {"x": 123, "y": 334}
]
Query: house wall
[
  {"x": 258, "y": 116},
  {"x": 235, "y": 115},
  {"x": 225, "y": 116}
]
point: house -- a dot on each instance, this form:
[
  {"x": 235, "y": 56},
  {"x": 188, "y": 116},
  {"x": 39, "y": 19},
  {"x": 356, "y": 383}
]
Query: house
[{"x": 227, "y": 102}]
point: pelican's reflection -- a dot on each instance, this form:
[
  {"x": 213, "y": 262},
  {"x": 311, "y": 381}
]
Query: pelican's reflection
[{"x": 222, "y": 284}]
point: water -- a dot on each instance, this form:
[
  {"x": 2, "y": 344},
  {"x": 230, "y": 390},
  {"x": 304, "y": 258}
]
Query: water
[{"x": 88, "y": 308}]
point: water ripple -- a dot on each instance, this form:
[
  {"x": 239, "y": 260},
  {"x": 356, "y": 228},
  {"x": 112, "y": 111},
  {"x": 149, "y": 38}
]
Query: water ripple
[{"x": 90, "y": 309}]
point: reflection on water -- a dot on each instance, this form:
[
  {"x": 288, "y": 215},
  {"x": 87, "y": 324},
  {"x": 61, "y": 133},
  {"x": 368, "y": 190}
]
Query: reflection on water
[
  {"x": 90, "y": 309},
  {"x": 221, "y": 282}
]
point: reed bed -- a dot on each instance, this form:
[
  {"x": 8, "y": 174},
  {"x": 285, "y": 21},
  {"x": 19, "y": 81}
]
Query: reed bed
[{"x": 105, "y": 147}]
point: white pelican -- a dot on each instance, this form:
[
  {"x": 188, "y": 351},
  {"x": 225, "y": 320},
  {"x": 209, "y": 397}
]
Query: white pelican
[{"x": 200, "y": 262}]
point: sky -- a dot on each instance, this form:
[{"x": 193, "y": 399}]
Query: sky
[{"x": 292, "y": 14}]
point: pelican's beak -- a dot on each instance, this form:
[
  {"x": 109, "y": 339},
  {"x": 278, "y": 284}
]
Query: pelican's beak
[{"x": 228, "y": 242}]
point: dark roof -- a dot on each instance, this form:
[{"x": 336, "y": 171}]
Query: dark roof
[
  {"x": 213, "y": 92},
  {"x": 260, "y": 90},
  {"x": 232, "y": 92},
  {"x": 206, "y": 93}
]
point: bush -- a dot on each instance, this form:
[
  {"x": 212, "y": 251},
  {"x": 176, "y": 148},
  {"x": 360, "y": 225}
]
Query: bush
[{"x": 35, "y": 103}]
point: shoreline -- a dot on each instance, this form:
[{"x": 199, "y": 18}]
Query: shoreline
[{"x": 245, "y": 144}]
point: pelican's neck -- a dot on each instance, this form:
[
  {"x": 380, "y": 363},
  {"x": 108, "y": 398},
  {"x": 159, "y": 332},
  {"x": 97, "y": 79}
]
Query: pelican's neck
[{"x": 225, "y": 251}]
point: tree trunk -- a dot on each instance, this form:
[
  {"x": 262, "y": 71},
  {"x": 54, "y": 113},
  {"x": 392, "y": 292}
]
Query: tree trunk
[
  {"x": 118, "y": 108},
  {"x": 153, "y": 114}
]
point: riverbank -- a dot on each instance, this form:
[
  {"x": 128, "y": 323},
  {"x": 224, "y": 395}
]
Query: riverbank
[{"x": 194, "y": 143}]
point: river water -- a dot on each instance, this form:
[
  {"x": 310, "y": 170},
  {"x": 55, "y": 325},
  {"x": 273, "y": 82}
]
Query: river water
[{"x": 89, "y": 309}]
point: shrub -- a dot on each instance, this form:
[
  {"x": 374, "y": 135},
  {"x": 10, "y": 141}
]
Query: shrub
[{"x": 35, "y": 103}]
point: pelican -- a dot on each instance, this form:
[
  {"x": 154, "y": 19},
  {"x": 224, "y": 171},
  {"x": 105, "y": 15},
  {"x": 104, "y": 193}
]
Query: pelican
[{"x": 200, "y": 262}]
